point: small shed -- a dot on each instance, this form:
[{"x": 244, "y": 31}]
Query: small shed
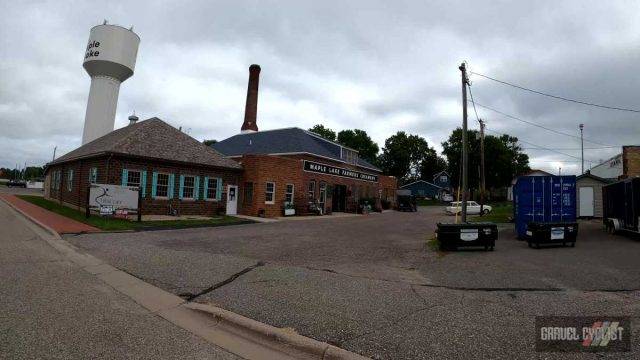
[
  {"x": 422, "y": 188},
  {"x": 589, "y": 195}
]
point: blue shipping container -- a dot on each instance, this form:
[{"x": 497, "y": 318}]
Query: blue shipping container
[{"x": 543, "y": 199}]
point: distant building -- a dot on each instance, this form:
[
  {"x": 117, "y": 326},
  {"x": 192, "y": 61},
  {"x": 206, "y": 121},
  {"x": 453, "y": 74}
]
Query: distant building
[
  {"x": 621, "y": 166},
  {"x": 443, "y": 180},
  {"x": 422, "y": 188},
  {"x": 515, "y": 179}
]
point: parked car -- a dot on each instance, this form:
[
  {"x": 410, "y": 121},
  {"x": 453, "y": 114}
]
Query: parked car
[
  {"x": 447, "y": 197},
  {"x": 17, "y": 183},
  {"x": 473, "y": 208},
  {"x": 407, "y": 203}
]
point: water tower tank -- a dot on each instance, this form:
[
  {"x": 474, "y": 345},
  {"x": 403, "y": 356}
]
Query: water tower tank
[{"x": 110, "y": 59}]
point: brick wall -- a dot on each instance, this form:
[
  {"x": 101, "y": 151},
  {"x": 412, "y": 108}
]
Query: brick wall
[
  {"x": 260, "y": 169},
  {"x": 110, "y": 172},
  {"x": 631, "y": 161}
]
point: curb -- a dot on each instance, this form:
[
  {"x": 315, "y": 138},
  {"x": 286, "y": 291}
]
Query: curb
[
  {"x": 235, "y": 333},
  {"x": 293, "y": 344}
]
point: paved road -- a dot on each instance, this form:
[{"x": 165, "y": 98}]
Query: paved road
[
  {"x": 372, "y": 285},
  {"x": 50, "y": 309}
]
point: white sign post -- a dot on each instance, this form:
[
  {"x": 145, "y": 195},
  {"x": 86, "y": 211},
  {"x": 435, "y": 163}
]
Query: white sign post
[{"x": 108, "y": 199}]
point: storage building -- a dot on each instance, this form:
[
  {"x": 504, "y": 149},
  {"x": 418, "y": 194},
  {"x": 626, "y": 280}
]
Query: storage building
[{"x": 589, "y": 195}]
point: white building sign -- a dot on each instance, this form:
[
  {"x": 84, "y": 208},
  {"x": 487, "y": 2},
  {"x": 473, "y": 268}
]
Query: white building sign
[{"x": 111, "y": 198}]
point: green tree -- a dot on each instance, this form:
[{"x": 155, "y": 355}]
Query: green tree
[
  {"x": 504, "y": 159},
  {"x": 408, "y": 157},
  {"x": 359, "y": 140},
  {"x": 431, "y": 165},
  {"x": 324, "y": 132},
  {"x": 209, "y": 142}
]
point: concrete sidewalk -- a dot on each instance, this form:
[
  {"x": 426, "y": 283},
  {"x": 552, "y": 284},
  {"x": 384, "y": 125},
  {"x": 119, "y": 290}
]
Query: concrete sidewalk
[
  {"x": 52, "y": 308},
  {"x": 59, "y": 223}
]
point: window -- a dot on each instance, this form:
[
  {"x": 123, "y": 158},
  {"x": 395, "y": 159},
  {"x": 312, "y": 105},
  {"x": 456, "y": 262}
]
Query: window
[
  {"x": 69, "y": 180},
  {"x": 312, "y": 190},
  {"x": 349, "y": 156},
  {"x": 288, "y": 195},
  {"x": 162, "y": 186},
  {"x": 323, "y": 193},
  {"x": 270, "y": 193},
  {"x": 443, "y": 178},
  {"x": 187, "y": 187},
  {"x": 133, "y": 178},
  {"x": 212, "y": 188},
  {"x": 93, "y": 175},
  {"x": 248, "y": 193}
]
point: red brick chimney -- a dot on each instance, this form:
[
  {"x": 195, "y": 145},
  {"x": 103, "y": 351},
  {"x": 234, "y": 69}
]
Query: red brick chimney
[{"x": 251, "y": 108}]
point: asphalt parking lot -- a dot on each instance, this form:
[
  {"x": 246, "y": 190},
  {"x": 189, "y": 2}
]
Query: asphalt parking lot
[{"x": 373, "y": 285}]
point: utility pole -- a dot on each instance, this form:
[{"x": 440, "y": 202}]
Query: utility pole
[
  {"x": 582, "y": 146},
  {"x": 465, "y": 155},
  {"x": 482, "y": 185}
]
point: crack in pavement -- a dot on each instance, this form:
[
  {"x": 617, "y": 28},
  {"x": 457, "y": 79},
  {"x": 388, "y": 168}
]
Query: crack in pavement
[
  {"x": 191, "y": 297},
  {"x": 395, "y": 322},
  {"x": 466, "y": 288}
]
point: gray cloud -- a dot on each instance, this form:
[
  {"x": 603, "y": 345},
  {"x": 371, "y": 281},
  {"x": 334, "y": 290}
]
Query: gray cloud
[{"x": 379, "y": 66}]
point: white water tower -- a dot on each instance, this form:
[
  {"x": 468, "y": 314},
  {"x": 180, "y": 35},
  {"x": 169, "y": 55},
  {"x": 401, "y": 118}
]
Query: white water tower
[{"x": 109, "y": 59}]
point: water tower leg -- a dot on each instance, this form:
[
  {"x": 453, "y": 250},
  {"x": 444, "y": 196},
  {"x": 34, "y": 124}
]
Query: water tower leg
[{"x": 101, "y": 108}]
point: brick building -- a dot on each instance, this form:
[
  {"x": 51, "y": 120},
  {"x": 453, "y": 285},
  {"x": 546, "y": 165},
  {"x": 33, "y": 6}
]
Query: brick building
[
  {"x": 174, "y": 171},
  {"x": 295, "y": 168}
]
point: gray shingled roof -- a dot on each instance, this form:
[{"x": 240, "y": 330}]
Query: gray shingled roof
[
  {"x": 279, "y": 141},
  {"x": 151, "y": 138}
]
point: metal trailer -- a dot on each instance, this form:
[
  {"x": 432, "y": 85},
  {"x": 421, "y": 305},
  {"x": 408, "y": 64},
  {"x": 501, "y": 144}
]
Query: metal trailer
[
  {"x": 544, "y": 209},
  {"x": 621, "y": 206}
]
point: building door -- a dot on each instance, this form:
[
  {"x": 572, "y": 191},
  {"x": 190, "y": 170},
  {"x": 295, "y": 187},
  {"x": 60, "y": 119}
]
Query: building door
[
  {"x": 339, "y": 198},
  {"x": 232, "y": 199},
  {"x": 586, "y": 201},
  {"x": 323, "y": 196}
]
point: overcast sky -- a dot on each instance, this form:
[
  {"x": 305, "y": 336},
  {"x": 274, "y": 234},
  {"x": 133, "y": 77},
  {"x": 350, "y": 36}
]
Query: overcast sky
[{"x": 378, "y": 66}]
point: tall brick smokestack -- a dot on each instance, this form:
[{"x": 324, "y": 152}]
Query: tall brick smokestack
[{"x": 251, "y": 108}]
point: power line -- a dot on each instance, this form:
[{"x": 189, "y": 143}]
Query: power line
[
  {"x": 587, "y": 148},
  {"x": 540, "y": 126},
  {"x": 556, "y": 96},
  {"x": 473, "y": 102},
  {"x": 542, "y": 147}
]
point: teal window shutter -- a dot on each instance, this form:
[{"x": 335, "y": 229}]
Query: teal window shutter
[
  {"x": 219, "y": 189},
  {"x": 181, "y": 189},
  {"x": 154, "y": 184},
  {"x": 143, "y": 183},
  {"x": 205, "y": 187},
  {"x": 171, "y": 186},
  {"x": 125, "y": 177},
  {"x": 196, "y": 188}
]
